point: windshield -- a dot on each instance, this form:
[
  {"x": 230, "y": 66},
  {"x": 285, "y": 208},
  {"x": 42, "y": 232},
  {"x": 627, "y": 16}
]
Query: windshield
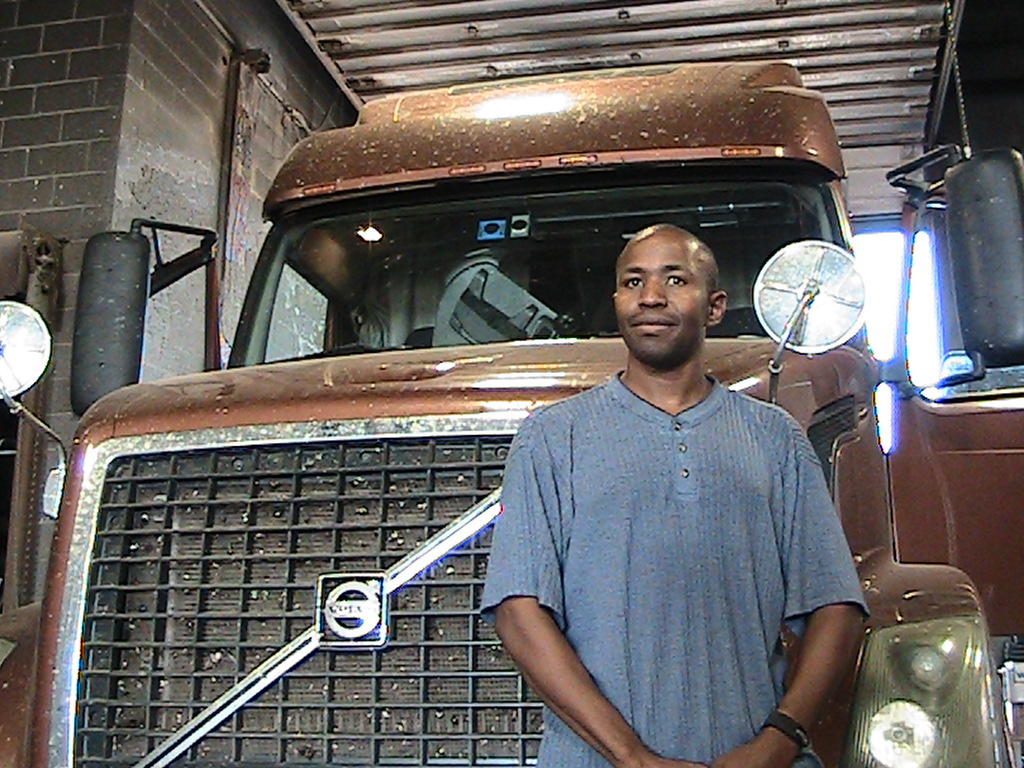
[{"x": 485, "y": 269}]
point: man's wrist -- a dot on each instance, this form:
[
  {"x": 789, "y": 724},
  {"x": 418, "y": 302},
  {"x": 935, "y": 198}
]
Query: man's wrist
[
  {"x": 782, "y": 723},
  {"x": 775, "y": 742}
]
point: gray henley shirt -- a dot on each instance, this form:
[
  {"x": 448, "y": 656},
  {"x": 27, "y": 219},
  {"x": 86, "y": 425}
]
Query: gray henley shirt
[{"x": 670, "y": 550}]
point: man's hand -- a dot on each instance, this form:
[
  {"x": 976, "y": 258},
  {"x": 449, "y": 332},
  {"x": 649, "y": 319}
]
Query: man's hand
[
  {"x": 556, "y": 674},
  {"x": 829, "y": 644},
  {"x": 769, "y": 749}
]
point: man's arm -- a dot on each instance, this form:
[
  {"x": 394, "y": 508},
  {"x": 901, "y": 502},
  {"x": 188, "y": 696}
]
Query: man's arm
[
  {"x": 555, "y": 672},
  {"x": 831, "y": 639}
]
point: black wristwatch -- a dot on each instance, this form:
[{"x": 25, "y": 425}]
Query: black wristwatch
[{"x": 780, "y": 721}]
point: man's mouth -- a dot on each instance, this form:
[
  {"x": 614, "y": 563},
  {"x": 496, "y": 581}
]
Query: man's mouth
[{"x": 652, "y": 323}]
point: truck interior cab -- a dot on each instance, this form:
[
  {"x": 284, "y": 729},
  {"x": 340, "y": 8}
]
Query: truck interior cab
[{"x": 508, "y": 264}]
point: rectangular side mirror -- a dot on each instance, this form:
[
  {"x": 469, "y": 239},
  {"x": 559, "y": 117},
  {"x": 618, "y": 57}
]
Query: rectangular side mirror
[{"x": 985, "y": 218}]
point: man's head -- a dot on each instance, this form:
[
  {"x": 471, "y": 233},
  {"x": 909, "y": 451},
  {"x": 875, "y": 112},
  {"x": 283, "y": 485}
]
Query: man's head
[{"x": 666, "y": 295}]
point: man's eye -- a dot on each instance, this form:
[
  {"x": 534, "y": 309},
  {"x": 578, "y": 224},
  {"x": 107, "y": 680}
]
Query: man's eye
[
  {"x": 631, "y": 282},
  {"x": 676, "y": 280}
]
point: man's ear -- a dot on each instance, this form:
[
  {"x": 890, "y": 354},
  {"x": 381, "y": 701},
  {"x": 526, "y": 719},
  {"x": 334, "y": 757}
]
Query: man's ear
[{"x": 717, "y": 301}]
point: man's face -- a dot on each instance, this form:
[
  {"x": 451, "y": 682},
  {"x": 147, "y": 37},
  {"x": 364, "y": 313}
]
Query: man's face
[{"x": 662, "y": 301}]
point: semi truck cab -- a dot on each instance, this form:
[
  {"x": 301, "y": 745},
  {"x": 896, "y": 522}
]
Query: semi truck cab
[{"x": 281, "y": 562}]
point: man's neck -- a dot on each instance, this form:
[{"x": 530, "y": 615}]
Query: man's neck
[{"x": 671, "y": 391}]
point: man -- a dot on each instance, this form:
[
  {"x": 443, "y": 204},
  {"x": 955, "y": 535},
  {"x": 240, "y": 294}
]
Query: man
[{"x": 657, "y": 532}]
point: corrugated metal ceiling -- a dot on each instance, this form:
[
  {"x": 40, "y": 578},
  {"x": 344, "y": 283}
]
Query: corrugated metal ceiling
[{"x": 874, "y": 61}]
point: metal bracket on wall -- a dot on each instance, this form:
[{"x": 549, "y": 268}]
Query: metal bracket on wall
[{"x": 166, "y": 273}]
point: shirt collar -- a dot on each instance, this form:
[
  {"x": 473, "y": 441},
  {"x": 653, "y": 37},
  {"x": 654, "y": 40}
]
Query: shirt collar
[{"x": 690, "y": 417}]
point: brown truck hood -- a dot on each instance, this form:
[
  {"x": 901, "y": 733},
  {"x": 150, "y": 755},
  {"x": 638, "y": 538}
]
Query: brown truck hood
[{"x": 457, "y": 380}]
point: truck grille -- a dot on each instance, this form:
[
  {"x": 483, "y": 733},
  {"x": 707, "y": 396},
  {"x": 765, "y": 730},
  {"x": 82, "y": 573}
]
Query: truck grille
[{"x": 205, "y": 564}]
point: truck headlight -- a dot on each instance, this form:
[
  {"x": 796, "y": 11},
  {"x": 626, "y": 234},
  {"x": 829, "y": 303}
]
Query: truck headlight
[
  {"x": 901, "y": 735},
  {"x": 924, "y": 697}
]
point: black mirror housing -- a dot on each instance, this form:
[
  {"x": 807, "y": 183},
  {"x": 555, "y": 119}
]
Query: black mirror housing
[
  {"x": 106, "y": 351},
  {"x": 985, "y": 217}
]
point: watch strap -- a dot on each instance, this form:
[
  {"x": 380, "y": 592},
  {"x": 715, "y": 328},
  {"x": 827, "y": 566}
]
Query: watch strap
[{"x": 780, "y": 721}]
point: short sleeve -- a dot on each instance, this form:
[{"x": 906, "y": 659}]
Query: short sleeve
[
  {"x": 527, "y": 545},
  {"x": 818, "y": 566}
]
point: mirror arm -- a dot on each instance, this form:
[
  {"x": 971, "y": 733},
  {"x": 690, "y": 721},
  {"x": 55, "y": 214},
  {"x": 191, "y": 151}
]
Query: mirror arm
[
  {"x": 169, "y": 272},
  {"x": 775, "y": 364},
  {"x": 22, "y": 412}
]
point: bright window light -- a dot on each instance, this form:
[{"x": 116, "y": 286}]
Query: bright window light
[
  {"x": 924, "y": 336},
  {"x": 523, "y": 106},
  {"x": 880, "y": 261}
]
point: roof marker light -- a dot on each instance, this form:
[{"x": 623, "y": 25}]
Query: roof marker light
[{"x": 577, "y": 160}]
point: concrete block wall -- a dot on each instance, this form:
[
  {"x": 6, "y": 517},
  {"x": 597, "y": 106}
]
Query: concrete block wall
[
  {"x": 62, "y": 76},
  {"x": 61, "y": 81},
  {"x": 168, "y": 167},
  {"x": 112, "y": 110}
]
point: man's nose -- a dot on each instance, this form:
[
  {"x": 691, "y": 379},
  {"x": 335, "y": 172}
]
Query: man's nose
[{"x": 652, "y": 294}]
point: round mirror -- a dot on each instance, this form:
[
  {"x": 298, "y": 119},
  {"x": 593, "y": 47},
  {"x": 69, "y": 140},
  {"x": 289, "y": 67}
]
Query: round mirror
[
  {"x": 24, "y": 347},
  {"x": 822, "y": 279}
]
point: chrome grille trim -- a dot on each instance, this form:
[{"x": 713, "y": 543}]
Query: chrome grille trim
[{"x": 94, "y": 464}]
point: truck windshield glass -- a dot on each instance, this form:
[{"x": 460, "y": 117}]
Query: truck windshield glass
[{"x": 476, "y": 271}]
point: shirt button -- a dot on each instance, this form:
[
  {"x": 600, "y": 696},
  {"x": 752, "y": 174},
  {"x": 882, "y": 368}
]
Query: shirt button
[
  {"x": 677, "y": 426},
  {"x": 682, "y": 448},
  {"x": 684, "y": 472}
]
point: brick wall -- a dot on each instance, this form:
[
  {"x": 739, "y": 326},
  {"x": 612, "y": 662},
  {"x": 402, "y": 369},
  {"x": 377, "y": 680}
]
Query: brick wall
[
  {"x": 61, "y": 82},
  {"x": 168, "y": 168},
  {"x": 112, "y": 110},
  {"x": 61, "y": 87}
]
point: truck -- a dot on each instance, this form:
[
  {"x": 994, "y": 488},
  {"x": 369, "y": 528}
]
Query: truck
[{"x": 281, "y": 562}]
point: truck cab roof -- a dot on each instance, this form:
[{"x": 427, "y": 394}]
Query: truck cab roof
[{"x": 692, "y": 112}]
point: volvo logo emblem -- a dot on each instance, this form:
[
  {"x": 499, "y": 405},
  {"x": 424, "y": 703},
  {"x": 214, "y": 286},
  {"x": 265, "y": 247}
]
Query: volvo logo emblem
[{"x": 352, "y": 610}]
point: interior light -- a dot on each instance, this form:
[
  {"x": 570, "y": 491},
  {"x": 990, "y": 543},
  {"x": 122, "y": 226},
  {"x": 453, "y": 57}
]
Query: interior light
[
  {"x": 370, "y": 234},
  {"x": 924, "y": 336},
  {"x": 527, "y": 105},
  {"x": 879, "y": 258},
  {"x": 885, "y": 416},
  {"x": 902, "y": 735}
]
